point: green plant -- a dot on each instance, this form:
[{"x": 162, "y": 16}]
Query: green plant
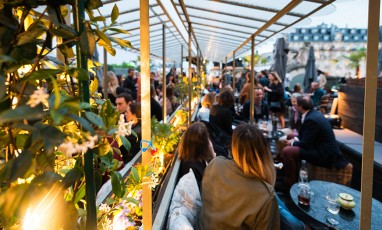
[
  {"x": 355, "y": 58},
  {"x": 164, "y": 136},
  {"x": 45, "y": 125}
]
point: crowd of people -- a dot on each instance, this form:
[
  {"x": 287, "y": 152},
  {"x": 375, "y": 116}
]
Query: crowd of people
[{"x": 230, "y": 159}]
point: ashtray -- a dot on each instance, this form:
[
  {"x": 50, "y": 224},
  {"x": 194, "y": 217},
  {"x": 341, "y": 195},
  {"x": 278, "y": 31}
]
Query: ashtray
[{"x": 346, "y": 201}]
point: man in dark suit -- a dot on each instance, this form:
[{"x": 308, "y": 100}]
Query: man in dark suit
[{"x": 315, "y": 143}]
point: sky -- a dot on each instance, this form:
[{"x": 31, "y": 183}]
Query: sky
[{"x": 347, "y": 13}]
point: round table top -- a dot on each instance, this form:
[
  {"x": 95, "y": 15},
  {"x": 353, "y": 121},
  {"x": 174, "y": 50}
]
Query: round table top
[{"x": 348, "y": 219}]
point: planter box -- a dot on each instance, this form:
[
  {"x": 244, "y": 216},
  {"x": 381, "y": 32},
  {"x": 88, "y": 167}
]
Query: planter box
[{"x": 351, "y": 107}]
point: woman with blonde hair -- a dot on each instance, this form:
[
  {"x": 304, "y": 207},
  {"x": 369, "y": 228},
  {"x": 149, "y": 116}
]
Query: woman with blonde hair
[
  {"x": 110, "y": 85},
  {"x": 239, "y": 193},
  {"x": 207, "y": 103}
]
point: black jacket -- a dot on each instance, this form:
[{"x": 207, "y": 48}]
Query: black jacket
[{"x": 317, "y": 142}]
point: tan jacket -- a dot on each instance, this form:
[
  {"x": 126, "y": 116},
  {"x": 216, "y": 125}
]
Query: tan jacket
[{"x": 232, "y": 200}]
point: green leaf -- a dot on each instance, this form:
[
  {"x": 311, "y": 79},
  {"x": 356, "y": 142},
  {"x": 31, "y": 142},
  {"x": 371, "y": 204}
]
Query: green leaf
[
  {"x": 30, "y": 36},
  {"x": 125, "y": 143},
  {"x": 84, "y": 105},
  {"x": 118, "y": 185},
  {"x": 80, "y": 194},
  {"x": 83, "y": 122},
  {"x": 22, "y": 112},
  {"x": 47, "y": 179},
  {"x": 114, "y": 13},
  {"x": 21, "y": 166},
  {"x": 98, "y": 19},
  {"x": 121, "y": 31},
  {"x": 132, "y": 200},
  {"x": 95, "y": 119},
  {"x": 135, "y": 175},
  {"x": 103, "y": 37},
  {"x": 6, "y": 58},
  {"x": 121, "y": 42},
  {"x": 3, "y": 88},
  {"x": 42, "y": 74},
  {"x": 79, "y": 73},
  {"x": 88, "y": 43},
  {"x": 72, "y": 177},
  {"x": 52, "y": 12},
  {"x": 93, "y": 4},
  {"x": 112, "y": 131},
  {"x": 109, "y": 115},
  {"x": 64, "y": 31}
]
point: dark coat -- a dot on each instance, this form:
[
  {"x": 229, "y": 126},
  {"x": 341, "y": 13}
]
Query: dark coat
[
  {"x": 129, "y": 83},
  {"x": 156, "y": 109},
  {"x": 221, "y": 116},
  {"x": 128, "y": 155},
  {"x": 317, "y": 142},
  {"x": 196, "y": 166}
]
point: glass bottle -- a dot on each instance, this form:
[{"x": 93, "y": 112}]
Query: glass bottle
[{"x": 303, "y": 185}]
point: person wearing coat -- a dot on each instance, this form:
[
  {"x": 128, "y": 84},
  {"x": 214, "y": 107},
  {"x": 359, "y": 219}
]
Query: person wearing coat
[
  {"x": 316, "y": 142},
  {"x": 239, "y": 193}
]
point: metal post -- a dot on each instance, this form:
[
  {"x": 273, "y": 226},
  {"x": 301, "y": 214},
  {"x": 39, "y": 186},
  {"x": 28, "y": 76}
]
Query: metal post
[
  {"x": 189, "y": 74},
  {"x": 252, "y": 105},
  {"x": 83, "y": 87},
  {"x": 233, "y": 74},
  {"x": 145, "y": 103},
  {"x": 105, "y": 76},
  {"x": 198, "y": 66},
  {"x": 164, "y": 84},
  {"x": 369, "y": 114},
  {"x": 181, "y": 62}
]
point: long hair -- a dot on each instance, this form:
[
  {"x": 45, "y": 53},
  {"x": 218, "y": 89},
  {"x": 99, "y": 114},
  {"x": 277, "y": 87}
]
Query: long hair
[
  {"x": 195, "y": 144},
  {"x": 276, "y": 76},
  {"x": 111, "y": 84},
  {"x": 208, "y": 100},
  {"x": 251, "y": 153}
]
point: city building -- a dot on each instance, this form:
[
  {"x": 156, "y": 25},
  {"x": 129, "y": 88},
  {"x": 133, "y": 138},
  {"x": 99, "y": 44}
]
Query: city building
[{"x": 332, "y": 45}]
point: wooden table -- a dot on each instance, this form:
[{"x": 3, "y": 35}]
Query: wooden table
[{"x": 347, "y": 219}]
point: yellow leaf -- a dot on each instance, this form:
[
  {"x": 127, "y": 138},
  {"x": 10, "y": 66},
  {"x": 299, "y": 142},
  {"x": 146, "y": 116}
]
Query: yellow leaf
[{"x": 93, "y": 86}]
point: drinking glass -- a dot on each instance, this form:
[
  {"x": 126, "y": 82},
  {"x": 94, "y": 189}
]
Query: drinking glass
[{"x": 332, "y": 204}]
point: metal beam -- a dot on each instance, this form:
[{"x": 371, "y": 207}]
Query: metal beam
[
  {"x": 281, "y": 13},
  {"x": 164, "y": 84},
  {"x": 235, "y": 15},
  {"x": 229, "y": 23},
  {"x": 184, "y": 9},
  {"x": 255, "y": 7},
  {"x": 251, "y": 98}
]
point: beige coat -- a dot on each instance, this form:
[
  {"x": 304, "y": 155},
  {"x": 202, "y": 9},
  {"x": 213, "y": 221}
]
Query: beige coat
[{"x": 231, "y": 200}]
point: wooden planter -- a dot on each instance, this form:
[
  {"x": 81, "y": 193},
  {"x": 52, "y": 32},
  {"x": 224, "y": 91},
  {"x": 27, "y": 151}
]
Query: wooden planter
[{"x": 351, "y": 106}]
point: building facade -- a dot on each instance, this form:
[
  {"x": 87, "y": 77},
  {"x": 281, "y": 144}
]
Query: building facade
[{"x": 332, "y": 45}]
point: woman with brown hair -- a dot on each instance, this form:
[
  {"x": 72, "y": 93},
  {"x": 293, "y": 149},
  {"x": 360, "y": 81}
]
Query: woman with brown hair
[
  {"x": 195, "y": 150},
  {"x": 245, "y": 92},
  {"x": 221, "y": 114},
  {"x": 276, "y": 97},
  {"x": 239, "y": 193}
]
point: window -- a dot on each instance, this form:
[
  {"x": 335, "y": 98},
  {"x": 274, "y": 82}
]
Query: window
[
  {"x": 323, "y": 30},
  {"x": 353, "y": 31},
  {"x": 316, "y": 37},
  {"x": 295, "y": 37},
  {"x": 306, "y": 37},
  {"x": 326, "y": 38},
  {"x": 356, "y": 38},
  {"x": 346, "y": 38}
]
